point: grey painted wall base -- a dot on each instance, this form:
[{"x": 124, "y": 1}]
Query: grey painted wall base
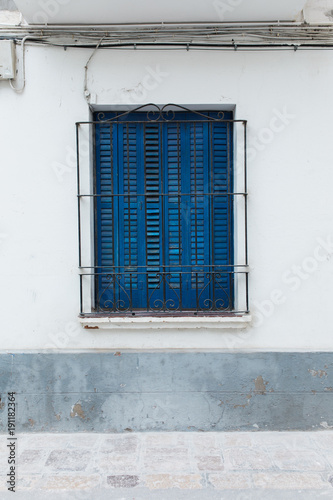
[{"x": 113, "y": 392}]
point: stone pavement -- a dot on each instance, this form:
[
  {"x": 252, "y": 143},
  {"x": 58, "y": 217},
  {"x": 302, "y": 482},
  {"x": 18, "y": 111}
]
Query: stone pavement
[{"x": 149, "y": 466}]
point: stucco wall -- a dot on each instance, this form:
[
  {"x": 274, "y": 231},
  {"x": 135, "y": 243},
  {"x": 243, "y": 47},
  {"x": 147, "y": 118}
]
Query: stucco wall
[{"x": 286, "y": 98}]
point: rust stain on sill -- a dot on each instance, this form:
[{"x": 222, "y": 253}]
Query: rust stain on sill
[{"x": 87, "y": 327}]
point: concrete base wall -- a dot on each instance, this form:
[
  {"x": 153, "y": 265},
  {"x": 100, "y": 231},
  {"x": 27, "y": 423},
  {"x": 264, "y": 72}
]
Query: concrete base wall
[{"x": 123, "y": 392}]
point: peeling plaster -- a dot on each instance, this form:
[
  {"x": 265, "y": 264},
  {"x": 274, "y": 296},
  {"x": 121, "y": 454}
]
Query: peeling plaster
[
  {"x": 77, "y": 411},
  {"x": 325, "y": 425},
  {"x": 260, "y": 385},
  {"x": 318, "y": 373},
  {"x": 249, "y": 396}
]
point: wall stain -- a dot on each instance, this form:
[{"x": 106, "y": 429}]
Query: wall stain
[
  {"x": 77, "y": 411},
  {"x": 318, "y": 373},
  {"x": 249, "y": 396},
  {"x": 260, "y": 385},
  {"x": 31, "y": 422},
  {"x": 329, "y": 14},
  {"x": 328, "y": 389}
]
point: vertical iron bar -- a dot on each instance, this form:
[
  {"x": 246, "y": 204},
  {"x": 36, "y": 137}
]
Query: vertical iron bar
[
  {"x": 79, "y": 211},
  {"x": 229, "y": 202},
  {"x": 245, "y": 213},
  {"x": 162, "y": 237},
  {"x": 95, "y": 227}
]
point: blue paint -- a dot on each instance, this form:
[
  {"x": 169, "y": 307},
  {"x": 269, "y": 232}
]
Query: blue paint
[{"x": 140, "y": 234}]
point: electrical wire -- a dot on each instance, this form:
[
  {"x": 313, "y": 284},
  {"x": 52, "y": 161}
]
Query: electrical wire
[
  {"x": 23, "y": 42},
  {"x": 85, "y": 90},
  {"x": 206, "y": 34},
  {"x": 247, "y": 37}
]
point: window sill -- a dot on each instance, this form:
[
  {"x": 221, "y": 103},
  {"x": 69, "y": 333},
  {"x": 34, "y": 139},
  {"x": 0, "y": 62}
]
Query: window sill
[{"x": 159, "y": 323}]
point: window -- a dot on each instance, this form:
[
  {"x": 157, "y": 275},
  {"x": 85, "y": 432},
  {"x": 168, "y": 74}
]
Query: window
[{"x": 164, "y": 213}]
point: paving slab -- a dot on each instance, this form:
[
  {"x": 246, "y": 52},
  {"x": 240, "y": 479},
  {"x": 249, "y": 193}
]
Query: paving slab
[{"x": 171, "y": 466}]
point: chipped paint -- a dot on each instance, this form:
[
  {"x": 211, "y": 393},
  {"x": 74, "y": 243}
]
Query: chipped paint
[
  {"x": 318, "y": 373},
  {"x": 260, "y": 385},
  {"x": 325, "y": 425},
  {"x": 249, "y": 396},
  {"x": 31, "y": 422},
  {"x": 77, "y": 411}
]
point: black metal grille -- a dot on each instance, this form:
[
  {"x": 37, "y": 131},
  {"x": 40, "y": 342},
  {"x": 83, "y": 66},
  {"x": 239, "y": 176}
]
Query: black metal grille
[{"x": 160, "y": 286}]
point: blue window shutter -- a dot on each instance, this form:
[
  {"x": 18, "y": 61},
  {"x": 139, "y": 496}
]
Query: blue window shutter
[
  {"x": 222, "y": 213},
  {"x": 106, "y": 212},
  {"x": 172, "y": 248}
]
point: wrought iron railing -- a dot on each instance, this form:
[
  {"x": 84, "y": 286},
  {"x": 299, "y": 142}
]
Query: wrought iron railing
[
  {"x": 164, "y": 289},
  {"x": 169, "y": 293}
]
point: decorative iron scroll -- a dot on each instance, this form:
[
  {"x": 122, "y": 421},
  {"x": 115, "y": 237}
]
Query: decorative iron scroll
[
  {"x": 163, "y": 296},
  {"x": 168, "y": 304},
  {"x": 165, "y": 113}
]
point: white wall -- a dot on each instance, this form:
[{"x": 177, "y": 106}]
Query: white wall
[
  {"x": 143, "y": 11},
  {"x": 290, "y": 185}
]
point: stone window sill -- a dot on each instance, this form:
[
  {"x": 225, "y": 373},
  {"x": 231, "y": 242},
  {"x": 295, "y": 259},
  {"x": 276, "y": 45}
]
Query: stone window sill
[{"x": 159, "y": 323}]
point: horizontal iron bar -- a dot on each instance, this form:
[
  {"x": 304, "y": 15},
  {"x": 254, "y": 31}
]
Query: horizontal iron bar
[
  {"x": 159, "y": 120},
  {"x": 178, "y": 314},
  {"x": 155, "y": 273},
  {"x": 154, "y": 195},
  {"x": 199, "y": 266}
]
